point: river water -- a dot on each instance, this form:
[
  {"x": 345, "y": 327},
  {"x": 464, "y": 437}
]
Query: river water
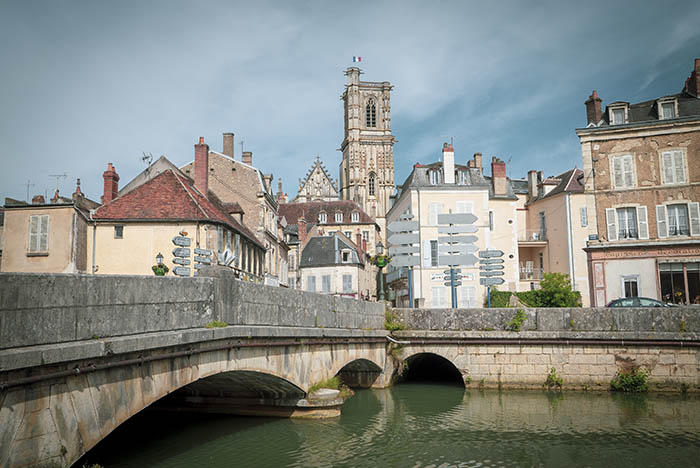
[{"x": 426, "y": 425}]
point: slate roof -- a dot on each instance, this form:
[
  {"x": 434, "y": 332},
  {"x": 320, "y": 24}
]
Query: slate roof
[
  {"x": 169, "y": 196},
  {"x": 648, "y": 111},
  {"x": 326, "y": 250},
  {"x": 570, "y": 181},
  {"x": 310, "y": 211}
]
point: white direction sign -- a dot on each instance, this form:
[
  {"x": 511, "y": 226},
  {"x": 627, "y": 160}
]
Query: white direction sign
[
  {"x": 456, "y": 218},
  {"x": 491, "y": 267},
  {"x": 490, "y": 273},
  {"x": 403, "y": 249},
  {"x": 457, "y": 248},
  {"x": 490, "y": 253},
  {"x": 466, "y": 229},
  {"x": 457, "y": 283},
  {"x": 403, "y": 239},
  {"x": 399, "y": 226},
  {"x": 457, "y": 260},
  {"x": 181, "y": 241},
  {"x": 491, "y": 281},
  {"x": 406, "y": 260},
  {"x": 453, "y": 239},
  {"x": 488, "y": 261},
  {"x": 181, "y": 271},
  {"x": 181, "y": 252}
]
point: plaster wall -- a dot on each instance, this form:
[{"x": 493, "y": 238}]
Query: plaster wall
[{"x": 644, "y": 269}]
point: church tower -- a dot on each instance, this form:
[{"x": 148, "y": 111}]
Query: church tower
[{"x": 367, "y": 169}]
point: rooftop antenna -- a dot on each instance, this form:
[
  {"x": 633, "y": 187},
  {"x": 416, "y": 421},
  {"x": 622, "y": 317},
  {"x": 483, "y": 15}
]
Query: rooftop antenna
[
  {"x": 510, "y": 173},
  {"x": 28, "y": 184},
  {"x": 57, "y": 176},
  {"x": 147, "y": 158},
  {"x": 241, "y": 143}
]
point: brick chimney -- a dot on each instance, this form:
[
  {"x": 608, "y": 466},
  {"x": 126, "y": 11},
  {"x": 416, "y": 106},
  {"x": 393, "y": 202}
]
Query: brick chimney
[
  {"x": 692, "y": 84},
  {"x": 201, "y": 167},
  {"x": 301, "y": 231},
  {"x": 55, "y": 197},
  {"x": 477, "y": 161},
  {"x": 498, "y": 176},
  {"x": 111, "y": 188},
  {"x": 248, "y": 157},
  {"x": 38, "y": 200},
  {"x": 532, "y": 184},
  {"x": 228, "y": 144},
  {"x": 358, "y": 242},
  {"x": 594, "y": 112},
  {"x": 448, "y": 163}
]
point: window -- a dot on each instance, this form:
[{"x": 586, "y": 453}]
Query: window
[
  {"x": 322, "y": 218},
  {"x": 466, "y": 296},
  {"x": 345, "y": 254},
  {"x": 355, "y": 217},
  {"x": 365, "y": 236},
  {"x": 434, "y": 209},
  {"x": 462, "y": 177},
  {"x": 623, "y": 171},
  {"x": 118, "y": 232},
  {"x": 371, "y": 113},
  {"x": 228, "y": 240},
  {"x": 219, "y": 239},
  {"x": 673, "y": 167},
  {"x": 627, "y": 223},
  {"x": 618, "y": 115},
  {"x": 237, "y": 250},
  {"x": 491, "y": 220},
  {"x": 677, "y": 220},
  {"x": 543, "y": 225},
  {"x": 326, "y": 284},
  {"x": 630, "y": 286},
  {"x": 435, "y": 176},
  {"x": 311, "y": 284},
  {"x": 371, "y": 183},
  {"x": 465, "y": 207},
  {"x": 667, "y": 110},
  {"x": 348, "y": 234},
  {"x": 347, "y": 283},
  {"x": 433, "y": 253},
  {"x": 584, "y": 216},
  {"x": 680, "y": 282},
  {"x": 438, "y": 297},
  {"x": 39, "y": 234},
  {"x": 339, "y": 217}
]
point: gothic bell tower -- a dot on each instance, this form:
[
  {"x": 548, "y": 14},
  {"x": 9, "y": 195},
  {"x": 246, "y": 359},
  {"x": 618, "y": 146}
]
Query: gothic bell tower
[{"x": 367, "y": 169}]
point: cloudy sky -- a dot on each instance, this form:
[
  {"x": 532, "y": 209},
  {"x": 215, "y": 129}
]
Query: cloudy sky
[{"x": 84, "y": 83}]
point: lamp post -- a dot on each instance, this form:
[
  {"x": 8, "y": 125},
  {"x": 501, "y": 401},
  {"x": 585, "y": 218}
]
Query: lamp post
[
  {"x": 159, "y": 269},
  {"x": 381, "y": 260},
  {"x": 159, "y": 259}
]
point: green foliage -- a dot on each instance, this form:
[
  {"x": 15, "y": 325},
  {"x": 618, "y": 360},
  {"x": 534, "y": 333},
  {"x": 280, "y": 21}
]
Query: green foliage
[
  {"x": 553, "y": 380},
  {"x": 634, "y": 380},
  {"x": 391, "y": 322},
  {"x": 333, "y": 383},
  {"x": 572, "y": 324},
  {"x": 682, "y": 326},
  {"x": 555, "y": 291},
  {"x": 216, "y": 324},
  {"x": 516, "y": 323},
  {"x": 501, "y": 299}
]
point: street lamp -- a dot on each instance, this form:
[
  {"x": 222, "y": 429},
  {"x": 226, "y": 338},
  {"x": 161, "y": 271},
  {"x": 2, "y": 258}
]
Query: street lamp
[
  {"x": 159, "y": 259},
  {"x": 381, "y": 260}
]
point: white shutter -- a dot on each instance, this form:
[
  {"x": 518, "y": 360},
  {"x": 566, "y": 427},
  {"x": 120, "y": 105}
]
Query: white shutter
[
  {"x": 465, "y": 207},
  {"x": 466, "y": 296},
  {"x": 432, "y": 214},
  {"x": 33, "y": 233},
  {"x": 434, "y": 297},
  {"x": 426, "y": 254},
  {"x": 642, "y": 221},
  {"x": 44, "y": 233},
  {"x": 667, "y": 160},
  {"x": 661, "y": 222},
  {"x": 678, "y": 167},
  {"x": 694, "y": 215},
  {"x": 584, "y": 216},
  {"x": 443, "y": 296},
  {"x": 617, "y": 172},
  {"x": 610, "y": 217},
  {"x": 629, "y": 171}
]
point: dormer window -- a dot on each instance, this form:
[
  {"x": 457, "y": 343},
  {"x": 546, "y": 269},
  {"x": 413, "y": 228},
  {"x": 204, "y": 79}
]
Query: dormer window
[
  {"x": 322, "y": 218},
  {"x": 355, "y": 217},
  {"x": 339, "y": 217},
  {"x": 435, "y": 176},
  {"x": 667, "y": 109},
  {"x": 462, "y": 178},
  {"x": 618, "y": 114},
  {"x": 371, "y": 113}
]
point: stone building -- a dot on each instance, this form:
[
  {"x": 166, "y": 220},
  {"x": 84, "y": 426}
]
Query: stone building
[
  {"x": 641, "y": 164},
  {"x": 367, "y": 167},
  {"x": 316, "y": 185},
  {"x": 241, "y": 183}
]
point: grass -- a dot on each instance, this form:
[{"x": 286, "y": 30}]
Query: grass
[
  {"x": 553, "y": 380},
  {"x": 634, "y": 380},
  {"x": 216, "y": 324},
  {"x": 391, "y": 322},
  {"x": 333, "y": 383},
  {"x": 516, "y": 323}
]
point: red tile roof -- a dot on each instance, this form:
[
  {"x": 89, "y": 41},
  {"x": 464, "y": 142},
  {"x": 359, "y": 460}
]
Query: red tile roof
[
  {"x": 169, "y": 197},
  {"x": 310, "y": 210}
]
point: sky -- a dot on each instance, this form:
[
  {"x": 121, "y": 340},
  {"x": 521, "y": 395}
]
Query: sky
[{"x": 85, "y": 83}]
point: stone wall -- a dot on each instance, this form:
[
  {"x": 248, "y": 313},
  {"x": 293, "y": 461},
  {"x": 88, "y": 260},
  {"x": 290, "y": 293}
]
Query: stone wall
[{"x": 37, "y": 309}]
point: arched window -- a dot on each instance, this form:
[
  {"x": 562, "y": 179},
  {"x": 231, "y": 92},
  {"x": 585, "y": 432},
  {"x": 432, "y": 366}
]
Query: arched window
[
  {"x": 371, "y": 183},
  {"x": 371, "y": 113}
]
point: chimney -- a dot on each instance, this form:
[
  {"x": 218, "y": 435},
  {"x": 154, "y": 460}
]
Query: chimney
[
  {"x": 280, "y": 194},
  {"x": 78, "y": 193},
  {"x": 301, "y": 231},
  {"x": 477, "y": 161},
  {"x": 111, "y": 188},
  {"x": 692, "y": 84},
  {"x": 448, "y": 163},
  {"x": 594, "y": 113},
  {"x": 54, "y": 199},
  {"x": 201, "y": 167},
  {"x": 358, "y": 236},
  {"x": 267, "y": 178},
  {"x": 540, "y": 187},
  {"x": 532, "y": 184},
  {"x": 38, "y": 200},
  {"x": 248, "y": 157},
  {"x": 498, "y": 176},
  {"x": 228, "y": 144}
]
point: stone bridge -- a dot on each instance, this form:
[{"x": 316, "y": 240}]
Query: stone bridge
[{"x": 79, "y": 355}]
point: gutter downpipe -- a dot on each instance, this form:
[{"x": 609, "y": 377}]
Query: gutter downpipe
[
  {"x": 569, "y": 241},
  {"x": 94, "y": 238}
]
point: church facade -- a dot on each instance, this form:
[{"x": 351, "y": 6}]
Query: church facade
[{"x": 317, "y": 185}]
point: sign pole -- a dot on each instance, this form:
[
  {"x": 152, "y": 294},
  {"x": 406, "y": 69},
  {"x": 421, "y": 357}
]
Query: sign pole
[
  {"x": 452, "y": 287},
  {"x": 410, "y": 287},
  {"x": 488, "y": 292}
]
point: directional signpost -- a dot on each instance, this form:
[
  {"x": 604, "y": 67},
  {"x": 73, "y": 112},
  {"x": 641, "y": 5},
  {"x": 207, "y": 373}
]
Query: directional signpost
[
  {"x": 456, "y": 249},
  {"x": 490, "y": 270},
  {"x": 403, "y": 244}
]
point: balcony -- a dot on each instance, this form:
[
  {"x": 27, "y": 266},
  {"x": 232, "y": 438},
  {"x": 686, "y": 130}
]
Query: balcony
[
  {"x": 529, "y": 273},
  {"x": 532, "y": 237}
]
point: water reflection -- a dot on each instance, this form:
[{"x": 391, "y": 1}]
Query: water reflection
[{"x": 426, "y": 425}]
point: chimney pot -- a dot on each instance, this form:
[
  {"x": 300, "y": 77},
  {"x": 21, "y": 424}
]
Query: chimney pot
[
  {"x": 498, "y": 176},
  {"x": 692, "y": 84},
  {"x": 228, "y": 144},
  {"x": 248, "y": 157},
  {"x": 201, "y": 167},
  {"x": 111, "y": 184},
  {"x": 38, "y": 200},
  {"x": 594, "y": 111}
]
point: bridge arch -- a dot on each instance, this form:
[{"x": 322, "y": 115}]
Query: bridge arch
[{"x": 429, "y": 363}]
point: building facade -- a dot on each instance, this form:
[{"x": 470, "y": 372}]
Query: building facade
[
  {"x": 367, "y": 167},
  {"x": 641, "y": 167},
  {"x": 316, "y": 185}
]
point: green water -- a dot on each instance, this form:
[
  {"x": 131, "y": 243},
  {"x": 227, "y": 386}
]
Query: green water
[{"x": 425, "y": 425}]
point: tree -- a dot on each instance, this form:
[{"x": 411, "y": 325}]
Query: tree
[{"x": 555, "y": 291}]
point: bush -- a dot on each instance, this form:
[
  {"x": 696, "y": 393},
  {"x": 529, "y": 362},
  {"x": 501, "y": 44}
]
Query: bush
[
  {"x": 498, "y": 298},
  {"x": 391, "y": 322},
  {"x": 553, "y": 379},
  {"x": 555, "y": 291},
  {"x": 517, "y": 321},
  {"x": 635, "y": 380}
]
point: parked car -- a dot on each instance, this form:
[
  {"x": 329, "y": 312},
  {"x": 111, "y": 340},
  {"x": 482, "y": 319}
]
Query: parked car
[{"x": 638, "y": 302}]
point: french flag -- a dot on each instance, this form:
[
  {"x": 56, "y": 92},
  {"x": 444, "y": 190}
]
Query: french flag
[{"x": 356, "y": 59}]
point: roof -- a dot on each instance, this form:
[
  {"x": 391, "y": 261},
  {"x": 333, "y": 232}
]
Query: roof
[
  {"x": 169, "y": 196},
  {"x": 570, "y": 181},
  {"x": 519, "y": 186},
  {"x": 326, "y": 251},
  {"x": 648, "y": 111},
  {"x": 310, "y": 211}
]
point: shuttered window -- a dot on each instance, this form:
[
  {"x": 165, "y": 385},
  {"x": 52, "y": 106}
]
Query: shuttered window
[
  {"x": 347, "y": 283},
  {"x": 465, "y": 207},
  {"x": 584, "y": 216},
  {"x": 623, "y": 171},
  {"x": 39, "y": 233},
  {"x": 673, "y": 167},
  {"x": 311, "y": 284},
  {"x": 434, "y": 209},
  {"x": 677, "y": 216},
  {"x": 326, "y": 284},
  {"x": 433, "y": 253},
  {"x": 438, "y": 297},
  {"x": 466, "y": 296}
]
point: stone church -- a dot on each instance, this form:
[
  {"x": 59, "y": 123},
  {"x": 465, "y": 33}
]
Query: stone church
[{"x": 317, "y": 185}]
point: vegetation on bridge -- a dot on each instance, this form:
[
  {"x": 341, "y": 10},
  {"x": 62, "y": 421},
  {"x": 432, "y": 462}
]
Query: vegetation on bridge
[{"x": 555, "y": 291}]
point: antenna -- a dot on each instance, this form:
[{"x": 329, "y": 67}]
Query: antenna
[
  {"x": 147, "y": 158},
  {"x": 28, "y": 184},
  {"x": 241, "y": 143},
  {"x": 451, "y": 137},
  {"x": 57, "y": 176}
]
